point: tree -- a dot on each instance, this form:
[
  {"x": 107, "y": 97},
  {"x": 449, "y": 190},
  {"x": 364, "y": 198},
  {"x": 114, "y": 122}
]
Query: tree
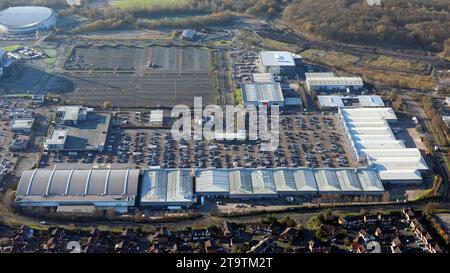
[
  {"x": 107, "y": 105},
  {"x": 8, "y": 199},
  {"x": 398, "y": 103},
  {"x": 429, "y": 208},
  {"x": 386, "y": 196},
  {"x": 289, "y": 222},
  {"x": 110, "y": 213}
]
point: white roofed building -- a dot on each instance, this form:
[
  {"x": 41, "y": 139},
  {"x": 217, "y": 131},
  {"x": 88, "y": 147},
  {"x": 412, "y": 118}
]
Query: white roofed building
[
  {"x": 259, "y": 94},
  {"x": 156, "y": 117},
  {"x": 329, "y": 82},
  {"x": 371, "y": 101},
  {"x": 263, "y": 78},
  {"x": 169, "y": 187},
  {"x": 372, "y": 141},
  {"x": 330, "y": 102},
  {"x": 279, "y": 62},
  {"x": 212, "y": 182},
  {"x": 22, "y": 125}
]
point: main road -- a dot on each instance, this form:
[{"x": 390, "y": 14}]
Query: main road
[{"x": 417, "y": 111}]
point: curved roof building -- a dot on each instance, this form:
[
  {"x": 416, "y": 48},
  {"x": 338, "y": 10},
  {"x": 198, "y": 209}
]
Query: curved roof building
[{"x": 26, "y": 19}]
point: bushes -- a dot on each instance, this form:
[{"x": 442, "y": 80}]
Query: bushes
[{"x": 409, "y": 23}]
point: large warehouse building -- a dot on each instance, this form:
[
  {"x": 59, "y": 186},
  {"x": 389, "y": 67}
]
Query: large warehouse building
[
  {"x": 279, "y": 63},
  {"x": 328, "y": 82},
  {"x": 259, "y": 94},
  {"x": 269, "y": 183},
  {"x": 79, "y": 129},
  {"x": 162, "y": 187},
  {"x": 72, "y": 188},
  {"x": 69, "y": 188},
  {"x": 26, "y": 19},
  {"x": 369, "y": 135}
]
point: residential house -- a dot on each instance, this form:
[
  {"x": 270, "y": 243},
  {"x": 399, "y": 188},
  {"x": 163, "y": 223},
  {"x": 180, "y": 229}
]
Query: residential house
[
  {"x": 181, "y": 248},
  {"x": 211, "y": 247},
  {"x": 409, "y": 214},
  {"x": 288, "y": 235},
  {"x": 262, "y": 247},
  {"x": 318, "y": 247},
  {"x": 227, "y": 229}
]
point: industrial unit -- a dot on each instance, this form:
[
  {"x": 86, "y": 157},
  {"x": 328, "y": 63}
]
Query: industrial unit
[
  {"x": 103, "y": 188},
  {"x": 156, "y": 117},
  {"x": 328, "y": 82},
  {"x": 372, "y": 141},
  {"x": 22, "y": 125},
  {"x": 167, "y": 188},
  {"x": 279, "y": 63},
  {"x": 188, "y": 34},
  {"x": 263, "y": 78},
  {"x": 269, "y": 183},
  {"x": 330, "y": 102},
  {"x": 259, "y": 94},
  {"x": 178, "y": 188},
  {"x": 79, "y": 129},
  {"x": 371, "y": 101}
]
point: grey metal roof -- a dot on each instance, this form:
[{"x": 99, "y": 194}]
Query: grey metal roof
[
  {"x": 216, "y": 181},
  {"x": 371, "y": 101},
  {"x": 77, "y": 185},
  {"x": 262, "y": 92},
  {"x": 167, "y": 186},
  {"x": 330, "y": 101}
]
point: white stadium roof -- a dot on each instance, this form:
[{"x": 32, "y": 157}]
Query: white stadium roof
[{"x": 24, "y": 16}]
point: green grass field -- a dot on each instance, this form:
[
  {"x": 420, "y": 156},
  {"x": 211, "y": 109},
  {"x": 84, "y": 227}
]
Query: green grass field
[
  {"x": 127, "y": 4},
  {"x": 222, "y": 43},
  {"x": 11, "y": 48},
  {"x": 51, "y": 52}
]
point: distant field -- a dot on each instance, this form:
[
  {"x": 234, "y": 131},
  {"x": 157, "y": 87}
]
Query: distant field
[
  {"x": 384, "y": 69},
  {"x": 12, "y": 47},
  {"x": 126, "y": 4}
]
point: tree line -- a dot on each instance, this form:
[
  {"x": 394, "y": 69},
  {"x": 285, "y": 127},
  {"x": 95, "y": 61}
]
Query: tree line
[{"x": 411, "y": 23}]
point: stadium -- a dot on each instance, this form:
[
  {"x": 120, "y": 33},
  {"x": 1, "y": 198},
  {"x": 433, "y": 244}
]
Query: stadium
[{"x": 26, "y": 19}]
